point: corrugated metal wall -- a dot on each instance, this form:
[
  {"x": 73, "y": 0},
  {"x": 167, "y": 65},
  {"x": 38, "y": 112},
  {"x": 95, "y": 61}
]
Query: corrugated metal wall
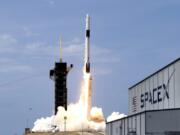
[
  {"x": 165, "y": 122},
  {"x": 126, "y": 126},
  {"x": 160, "y": 122}
]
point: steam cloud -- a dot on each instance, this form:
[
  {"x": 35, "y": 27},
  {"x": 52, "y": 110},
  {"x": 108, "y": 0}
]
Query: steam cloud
[
  {"x": 80, "y": 115},
  {"x": 115, "y": 116},
  {"x": 74, "y": 122}
]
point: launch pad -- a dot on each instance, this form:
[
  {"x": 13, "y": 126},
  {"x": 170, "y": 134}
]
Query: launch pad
[{"x": 67, "y": 133}]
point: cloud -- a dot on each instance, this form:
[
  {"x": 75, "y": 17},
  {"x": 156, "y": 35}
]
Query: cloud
[
  {"x": 8, "y": 65},
  {"x": 101, "y": 71},
  {"x": 7, "y": 43},
  {"x": 111, "y": 58},
  {"x": 104, "y": 55},
  {"x": 115, "y": 116},
  {"x": 9, "y": 68},
  {"x": 11, "y": 46},
  {"x": 96, "y": 50},
  {"x": 51, "y": 2},
  {"x": 41, "y": 48},
  {"x": 7, "y": 40},
  {"x": 28, "y": 32},
  {"x": 73, "y": 49}
]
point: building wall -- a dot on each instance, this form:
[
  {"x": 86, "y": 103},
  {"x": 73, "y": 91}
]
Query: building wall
[
  {"x": 158, "y": 91},
  {"x": 165, "y": 122},
  {"x": 161, "y": 122},
  {"x": 127, "y": 126}
]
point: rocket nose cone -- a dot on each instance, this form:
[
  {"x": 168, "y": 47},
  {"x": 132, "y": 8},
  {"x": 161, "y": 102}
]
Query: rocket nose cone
[
  {"x": 87, "y": 15},
  {"x": 87, "y": 21}
]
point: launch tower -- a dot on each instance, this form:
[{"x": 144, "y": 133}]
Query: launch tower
[{"x": 59, "y": 76}]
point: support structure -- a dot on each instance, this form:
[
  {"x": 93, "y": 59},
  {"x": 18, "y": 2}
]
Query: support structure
[{"x": 59, "y": 76}]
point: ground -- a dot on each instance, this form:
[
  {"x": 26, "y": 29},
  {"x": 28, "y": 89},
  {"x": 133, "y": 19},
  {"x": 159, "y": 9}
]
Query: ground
[{"x": 67, "y": 133}]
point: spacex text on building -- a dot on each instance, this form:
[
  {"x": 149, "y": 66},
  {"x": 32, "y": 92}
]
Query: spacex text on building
[{"x": 155, "y": 96}]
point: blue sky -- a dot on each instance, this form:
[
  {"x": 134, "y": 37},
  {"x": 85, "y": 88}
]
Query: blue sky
[{"x": 129, "y": 40}]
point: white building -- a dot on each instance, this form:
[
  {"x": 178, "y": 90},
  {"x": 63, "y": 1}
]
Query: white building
[{"x": 154, "y": 105}]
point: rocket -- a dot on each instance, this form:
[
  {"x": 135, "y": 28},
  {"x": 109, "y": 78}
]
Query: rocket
[
  {"x": 87, "y": 68},
  {"x": 87, "y": 43}
]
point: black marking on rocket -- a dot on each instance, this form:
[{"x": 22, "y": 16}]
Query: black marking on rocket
[
  {"x": 87, "y": 67},
  {"x": 87, "y": 33}
]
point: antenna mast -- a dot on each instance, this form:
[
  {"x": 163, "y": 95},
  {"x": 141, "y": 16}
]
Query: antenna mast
[{"x": 60, "y": 49}]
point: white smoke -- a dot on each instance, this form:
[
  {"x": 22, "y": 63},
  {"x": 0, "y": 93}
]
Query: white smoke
[
  {"x": 79, "y": 116},
  {"x": 43, "y": 124},
  {"x": 115, "y": 116},
  {"x": 74, "y": 121}
]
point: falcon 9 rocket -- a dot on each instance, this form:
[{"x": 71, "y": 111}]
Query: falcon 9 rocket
[{"x": 87, "y": 43}]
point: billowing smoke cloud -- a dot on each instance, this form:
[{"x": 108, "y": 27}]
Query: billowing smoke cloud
[
  {"x": 79, "y": 116},
  {"x": 43, "y": 124},
  {"x": 74, "y": 121},
  {"x": 115, "y": 116}
]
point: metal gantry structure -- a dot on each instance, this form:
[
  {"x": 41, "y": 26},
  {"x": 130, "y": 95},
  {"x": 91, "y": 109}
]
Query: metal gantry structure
[{"x": 59, "y": 76}]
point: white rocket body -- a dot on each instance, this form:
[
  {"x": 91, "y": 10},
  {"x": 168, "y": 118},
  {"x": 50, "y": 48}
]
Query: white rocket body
[
  {"x": 87, "y": 66},
  {"x": 87, "y": 43}
]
